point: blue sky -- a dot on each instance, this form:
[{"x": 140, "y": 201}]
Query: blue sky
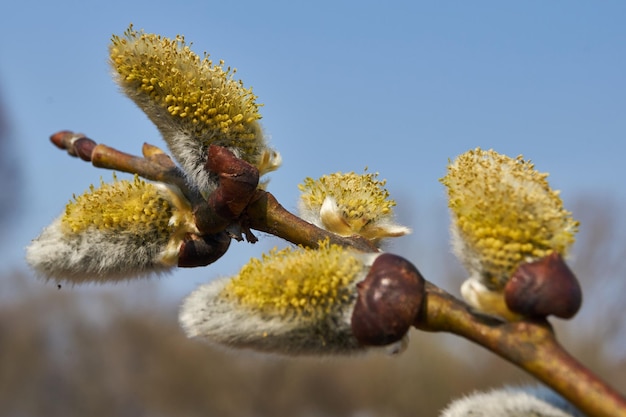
[{"x": 399, "y": 87}]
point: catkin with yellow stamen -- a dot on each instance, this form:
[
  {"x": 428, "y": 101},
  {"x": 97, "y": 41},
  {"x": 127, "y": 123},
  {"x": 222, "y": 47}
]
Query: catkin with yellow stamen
[
  {"x": 193, "y": 102},
  {"x": 293, "y": 301},
  {"x": 504, "y": 213},
  {"x": 350, "y": 204},
  {"x": 117, "y": 231}
]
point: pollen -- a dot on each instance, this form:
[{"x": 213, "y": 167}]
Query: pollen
[
  {"x": 122, "y": 206},
  {"x": 504, "y": 213},
  {"x": 302, "y": 282}
]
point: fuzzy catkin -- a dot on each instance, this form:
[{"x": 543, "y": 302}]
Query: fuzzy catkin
[
  {"x": 292, "y": 302},
  {"x": 350, "y": 204},
  {"x": 193, "y": 102},
  {"x": 115, "y": 232}
]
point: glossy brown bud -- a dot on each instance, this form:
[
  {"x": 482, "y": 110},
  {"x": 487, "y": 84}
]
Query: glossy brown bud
[
  {"x": 202, "y": 250},
  {"x": 542, "y": 288},
  {"x": 76, "y": 144},
  {"x": 388, "y": 301},
  {"x": 83, "y": 148},
  {"x": 237, "y": 182}
]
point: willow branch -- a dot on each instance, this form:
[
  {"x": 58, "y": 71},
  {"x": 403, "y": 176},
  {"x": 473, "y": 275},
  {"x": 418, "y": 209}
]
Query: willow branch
[{"x": 531, "y": 345}]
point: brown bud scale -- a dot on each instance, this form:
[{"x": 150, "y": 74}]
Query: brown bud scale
[
  {"x": 544, "y": 287},
  {"x": 238, "y": 181},
  {"x": 202, "y": 250},
  {"x": 388, "y": 301},
  {"x": 83, "y": 147}
]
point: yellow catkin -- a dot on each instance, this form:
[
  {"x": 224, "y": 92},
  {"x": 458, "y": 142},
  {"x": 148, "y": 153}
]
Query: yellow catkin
[
  {"x": 361, "y": 198},
  {"x": 308, "y": 283},
  {"x": 201, "y": 97},
  {"x": 505, "y": 213},
  {"x": 122, "y": 206}
]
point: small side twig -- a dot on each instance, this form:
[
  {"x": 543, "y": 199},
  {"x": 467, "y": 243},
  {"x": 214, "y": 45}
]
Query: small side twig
[
  {"x": 266, "y": 214},
  {"x": 156, "y": 165}
]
